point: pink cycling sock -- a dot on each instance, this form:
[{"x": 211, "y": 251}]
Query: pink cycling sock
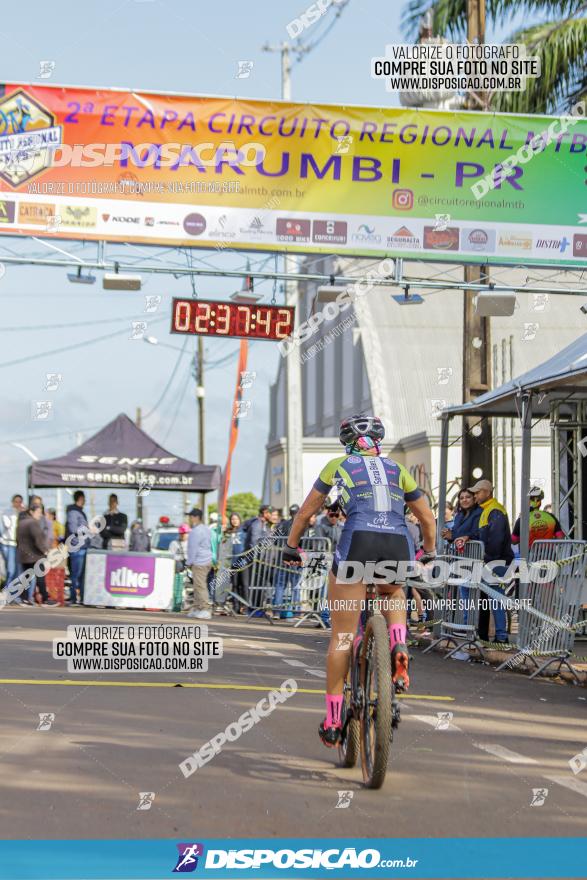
[
  {"x": 397, "y": 634},
  {"x": 333, "y": 710}
]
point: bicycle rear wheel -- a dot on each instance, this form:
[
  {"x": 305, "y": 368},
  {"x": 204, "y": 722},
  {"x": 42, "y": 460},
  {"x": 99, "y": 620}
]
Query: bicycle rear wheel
[
  {"x": 350, "y": 745},
  {"x": 377, "y": 712}
]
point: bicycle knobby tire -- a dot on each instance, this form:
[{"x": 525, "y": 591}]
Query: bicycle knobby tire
[{"x": 376, "y": 716}]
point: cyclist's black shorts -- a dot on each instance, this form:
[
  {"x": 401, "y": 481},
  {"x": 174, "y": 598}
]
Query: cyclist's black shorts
[{"x": 369, "y": 546}]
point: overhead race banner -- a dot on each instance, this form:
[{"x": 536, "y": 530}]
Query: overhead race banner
[{"x": 160, "y": 169}]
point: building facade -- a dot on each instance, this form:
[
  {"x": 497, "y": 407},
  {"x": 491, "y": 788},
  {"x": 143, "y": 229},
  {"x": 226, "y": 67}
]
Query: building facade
[{"x": 404, "y": 363}]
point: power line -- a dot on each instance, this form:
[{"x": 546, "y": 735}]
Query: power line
[
  {"x": 302, "y": 50},
  {"x": 180, "y": 400},
  {"x": 72, "y": 431},
  {"x": 170, "y": 380},
  {"x": 74, "y": 324},
  {"x": 212, "y": 365},
  {"x": 76, "y": 345}
]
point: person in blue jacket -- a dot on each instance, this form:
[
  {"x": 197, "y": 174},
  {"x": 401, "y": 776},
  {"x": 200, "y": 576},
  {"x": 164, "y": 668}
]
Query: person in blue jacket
[{"x": 466, "y": 520}]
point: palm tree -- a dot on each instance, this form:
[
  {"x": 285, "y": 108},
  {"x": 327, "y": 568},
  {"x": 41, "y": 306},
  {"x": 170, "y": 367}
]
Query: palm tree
[{"x": 558, "y": 37}]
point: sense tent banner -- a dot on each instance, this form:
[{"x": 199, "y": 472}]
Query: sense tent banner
[
  {"x": 120, "y": 165},
  {"x": 123, "y": 456}
]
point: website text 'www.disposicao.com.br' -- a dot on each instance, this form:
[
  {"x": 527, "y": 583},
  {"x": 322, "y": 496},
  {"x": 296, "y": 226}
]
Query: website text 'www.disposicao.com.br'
[
  {"x": 137, "y": 478},
  {"x": 136, "y": 664},
  {"x": 330, "y": 859}
]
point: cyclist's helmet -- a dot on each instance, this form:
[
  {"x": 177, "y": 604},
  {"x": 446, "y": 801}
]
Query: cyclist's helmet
[
  {"x": 536, "y": 496},
  {"x": 355, "y": 427},
  {"x": 294, "y": 509}
]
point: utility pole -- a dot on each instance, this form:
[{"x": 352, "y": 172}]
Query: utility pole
[
  {"x": 139, "y": 497},
  {"x": 476, "y": 449},
  {"x": 200, "y": 395},
  {"x": 283, "y": 49},
  {"x": 293, "y": 367}
]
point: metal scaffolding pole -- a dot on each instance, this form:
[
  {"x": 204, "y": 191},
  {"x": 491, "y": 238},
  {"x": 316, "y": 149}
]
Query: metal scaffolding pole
[
  {"x": 445, "y": 425},
  {"x": 101, "y": 264},
  {"x": 525, "y": 477}
]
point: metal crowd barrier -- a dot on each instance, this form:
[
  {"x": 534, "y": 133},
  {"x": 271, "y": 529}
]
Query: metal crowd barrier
[
  {"x": 461, "y": 594},
  {"x": 274, "y": 588},
  {"x": 314, "y": 580},
  {"x": 548, "y": 617}
]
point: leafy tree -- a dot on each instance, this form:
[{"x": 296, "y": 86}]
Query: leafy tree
[
  {"x": 553, "y": 30},
  {"x": 246, "y": 504}
]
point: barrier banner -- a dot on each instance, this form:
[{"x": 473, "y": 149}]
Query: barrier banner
[
  {"x": 161, "y": 169},
  {"x": 128, "y": 580}
]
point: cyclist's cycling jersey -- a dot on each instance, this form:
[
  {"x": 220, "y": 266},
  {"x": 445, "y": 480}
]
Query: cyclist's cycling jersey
[
  {"x": 542, "y": 526},
  {"x": 373, "y": 492}
]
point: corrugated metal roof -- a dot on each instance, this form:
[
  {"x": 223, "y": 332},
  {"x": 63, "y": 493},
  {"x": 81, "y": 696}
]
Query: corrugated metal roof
[{"x": 565, "y": 370}]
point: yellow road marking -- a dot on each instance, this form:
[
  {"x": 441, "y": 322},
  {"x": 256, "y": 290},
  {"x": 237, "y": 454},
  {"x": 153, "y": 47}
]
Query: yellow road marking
[{"x": 168, "y": 684}]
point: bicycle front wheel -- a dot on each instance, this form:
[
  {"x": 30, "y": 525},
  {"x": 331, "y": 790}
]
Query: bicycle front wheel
[{"x": 377, "y": 712}]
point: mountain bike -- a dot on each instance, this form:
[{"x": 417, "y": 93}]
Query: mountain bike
[{"x": 370, "y": 709}]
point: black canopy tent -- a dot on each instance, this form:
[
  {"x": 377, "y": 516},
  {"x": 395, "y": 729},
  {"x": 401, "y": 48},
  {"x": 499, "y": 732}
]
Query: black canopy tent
[{"x": 123, "y": 456}]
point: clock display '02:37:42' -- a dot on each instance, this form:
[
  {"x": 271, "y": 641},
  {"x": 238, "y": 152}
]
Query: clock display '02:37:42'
[{"x": 217, "y": 318}]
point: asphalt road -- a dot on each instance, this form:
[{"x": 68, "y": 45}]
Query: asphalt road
[{"x": 116, "y": 738}]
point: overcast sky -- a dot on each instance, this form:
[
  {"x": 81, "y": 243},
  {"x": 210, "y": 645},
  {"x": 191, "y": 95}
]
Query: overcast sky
[{"x": 174, "y": 45}]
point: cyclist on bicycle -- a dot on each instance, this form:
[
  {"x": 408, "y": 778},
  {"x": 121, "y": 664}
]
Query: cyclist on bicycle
[
  {"x": 373, "y": 493},
  {"x": 543, "y": 526}
]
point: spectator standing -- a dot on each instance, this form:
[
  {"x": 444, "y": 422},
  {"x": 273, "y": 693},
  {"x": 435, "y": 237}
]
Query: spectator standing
[
  {"x": 449, "y": 513},
  {"x": 234, "y": 541},
  {"x": 215, "y": 539},
  {"x": 76, "y": 518},
  {"x": 55, "y": 577},
  {"x": 259, "y": 527},
  {"x": 413, "y": 595},
  {"x": 45, "y": 522},
  {"x": 494, "y": 531},
  {"x": 58, "y": 528},
  {"x": 179, "y": 547},
  {"x": 286, "y": 578},
  {"x": 465, "y": 525},
  {"x": 311, "y": 530},
  {"x": 283, "y": 526},
  {"x": 138, "y": 541},
  {"x": 199, "y": 558},
  {"x": 116, "y": 526},
  {"x": 414, "y": 529},
  {"x": 8, "y": 537},
  {"x": 215, "y": 535},
  {"x": 32, "y": 545},
  {"x": 329, "y": 526}
]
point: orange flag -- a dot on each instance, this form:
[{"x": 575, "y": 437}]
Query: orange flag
[{"x": 234, "y": 420}]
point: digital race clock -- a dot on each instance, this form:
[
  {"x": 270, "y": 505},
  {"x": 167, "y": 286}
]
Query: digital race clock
[{"x": 213, "y": 318}]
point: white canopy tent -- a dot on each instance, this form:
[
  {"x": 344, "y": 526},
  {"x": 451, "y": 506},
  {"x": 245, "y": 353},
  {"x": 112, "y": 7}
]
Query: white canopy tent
[{"x": 554, "y": 388}]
